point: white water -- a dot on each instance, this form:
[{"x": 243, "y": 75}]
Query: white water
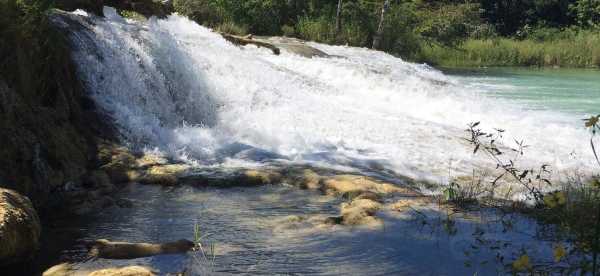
[{"x": 182, "y": 89}]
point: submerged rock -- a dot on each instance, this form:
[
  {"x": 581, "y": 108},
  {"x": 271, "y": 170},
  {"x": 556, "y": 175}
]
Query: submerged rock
[
  {"x": 125, "y": 250},
  {"x": 295, "y": 46},
  {"x": 19, "y": 227},
  {"x": 406, "y": 204},
  {"x": 360, "y": 212},
  {"x": 357, "y": 183}
]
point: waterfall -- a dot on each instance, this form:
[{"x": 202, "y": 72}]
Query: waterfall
[{"x": 181, "y": 89}]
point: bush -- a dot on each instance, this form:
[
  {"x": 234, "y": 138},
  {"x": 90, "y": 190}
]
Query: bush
[
  {"x": 288, "y": 30},
  {"x": 232, "y": 28},
  {"x": 570, "y": 49},
  {"x": 586, "y": 12},
  {"x": 320, "y": 29},
  {"x": 202, "y": 11}
]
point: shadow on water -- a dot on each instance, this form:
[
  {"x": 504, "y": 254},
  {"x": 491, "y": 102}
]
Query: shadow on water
[{"x": 270, "y": 230}]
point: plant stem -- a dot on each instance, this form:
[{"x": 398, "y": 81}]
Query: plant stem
[{"x": 596, "y": 236}]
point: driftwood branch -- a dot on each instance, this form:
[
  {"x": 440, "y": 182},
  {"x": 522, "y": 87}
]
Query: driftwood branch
[
  {"x": 245, "y": 40},
  {"x": 124, "y": 250}
]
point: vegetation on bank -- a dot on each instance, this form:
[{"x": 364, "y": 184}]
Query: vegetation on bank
[
  {"x": 570, "y": 206},
  {"x": 571, "y": 49},
  {"x": 448, "y": 33}
]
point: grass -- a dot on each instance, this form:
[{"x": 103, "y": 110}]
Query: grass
[{"x": 581, "y": 49}]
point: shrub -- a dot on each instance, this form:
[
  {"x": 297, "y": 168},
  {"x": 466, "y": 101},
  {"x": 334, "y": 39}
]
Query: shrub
[
  {"x": 288, "y": 30},
  {"x": 232, "y": 28}
]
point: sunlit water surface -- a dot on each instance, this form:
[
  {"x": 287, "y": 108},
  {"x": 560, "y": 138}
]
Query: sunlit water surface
[
  {"x": 256, "y": 231},
  {"x": 178, "y": 88}
]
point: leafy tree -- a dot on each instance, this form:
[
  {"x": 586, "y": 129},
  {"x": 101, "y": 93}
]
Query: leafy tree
[{"x": 586, "y": 12}]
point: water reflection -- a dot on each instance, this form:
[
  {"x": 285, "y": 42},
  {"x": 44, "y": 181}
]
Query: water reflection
[{"x": 279, "y": 230}]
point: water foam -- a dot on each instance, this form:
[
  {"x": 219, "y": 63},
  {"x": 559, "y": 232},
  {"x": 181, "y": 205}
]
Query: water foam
[{"x": 179, "y": 87}]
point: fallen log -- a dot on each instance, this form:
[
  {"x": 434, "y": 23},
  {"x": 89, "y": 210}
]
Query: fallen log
[
  {"x": 124, "y": 250},
  {"x": 245, "y": 40}
]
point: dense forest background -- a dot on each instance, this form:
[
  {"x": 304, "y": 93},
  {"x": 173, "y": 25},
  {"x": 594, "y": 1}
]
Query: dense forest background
[{"x": 471, "y": 33}]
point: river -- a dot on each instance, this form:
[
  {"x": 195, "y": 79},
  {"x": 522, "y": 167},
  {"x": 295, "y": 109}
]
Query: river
[{"x": 181, "y": 90}]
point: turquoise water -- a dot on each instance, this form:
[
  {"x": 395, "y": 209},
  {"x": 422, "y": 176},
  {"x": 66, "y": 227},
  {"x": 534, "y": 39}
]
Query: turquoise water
[{"x": 574, "y": 91}]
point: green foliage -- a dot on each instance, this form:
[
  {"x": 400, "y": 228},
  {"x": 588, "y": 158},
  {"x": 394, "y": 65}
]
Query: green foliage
[
  {"x": 30, "y": 47},
  {"x": 319, "y": 29},
  {"x": 232, "y": 28},
  {"x": 132, "y": 15},
  {"x": 510, "y": 15},
  {"x": 586, "y": 13},
  {"x": 288, "y": 30},
  {"x": 447, "y": 24},
  {"x": 566, "y": 49}
]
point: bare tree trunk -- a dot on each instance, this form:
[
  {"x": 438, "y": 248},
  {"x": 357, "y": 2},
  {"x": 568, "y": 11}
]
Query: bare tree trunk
[
  {"x": 379, "y": 34},
  {"x": 338, "y": 18}
]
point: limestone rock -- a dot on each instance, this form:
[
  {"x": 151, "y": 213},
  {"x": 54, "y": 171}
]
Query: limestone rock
[
  {"x": 167, "y": 175},
  {"x": 151, "y": 159},
  {"x": 125, "y": 271},
  {"x": 19, "y": 227},
  {"x": 305, "y": 179},
  {"x": 353, "y": 183},
  {"x": 63, "y": 269},
  {"x": 260, "y": 177},
  {"x": 116, "y": 162},
  {"x": 360, "y": 212}
]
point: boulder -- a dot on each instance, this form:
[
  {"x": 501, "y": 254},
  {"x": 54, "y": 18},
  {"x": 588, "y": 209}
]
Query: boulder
[
  {"x": 67, "y": 269},
  {"x": 19, "y": 227},
  {"x": 125, "y": 271},
  {"x": 63, "y": 269},
  {"x": 117, "y": 162}
]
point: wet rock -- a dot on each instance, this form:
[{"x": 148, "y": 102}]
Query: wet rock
[
  {"x": 360, "y": 212},
  {"x": 19, "y": 227},
  {"x": 352, "y": 195},
  {"x": 356, "y": 183},
  {"x": 406, "y": 204},
  {"x": 151, "y": 159},
  {"x": 67, "y": 269},
  {"x": 117, "y": 162},
  {"x": 305, "y": 179},
  {"x": 167, "y": 175},
  {"x": 124, "y": 250},
  {"x": 295, "y": 46},
  {"x": 63, "y": 269},
  {"x": 261, "y": 177},
  {"x": 125, "y": 271}
]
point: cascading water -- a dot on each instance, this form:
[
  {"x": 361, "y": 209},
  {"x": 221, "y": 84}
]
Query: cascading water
[
  {"x": 182, "y": 89},
  {"x": 178, "y": 88}
]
